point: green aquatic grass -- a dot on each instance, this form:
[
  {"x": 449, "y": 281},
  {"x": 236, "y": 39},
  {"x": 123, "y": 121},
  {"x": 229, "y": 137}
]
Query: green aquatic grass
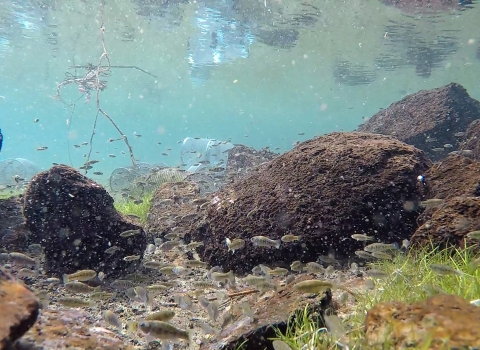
[
  {"x": 126, "y": 206},
  {"x": 409, "y": 279}
]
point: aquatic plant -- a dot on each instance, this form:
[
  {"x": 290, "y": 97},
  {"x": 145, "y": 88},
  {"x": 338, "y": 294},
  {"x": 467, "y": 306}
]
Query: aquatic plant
[
  {"x": 128, "y": 207},
  {"x": 411, "y": 277}
]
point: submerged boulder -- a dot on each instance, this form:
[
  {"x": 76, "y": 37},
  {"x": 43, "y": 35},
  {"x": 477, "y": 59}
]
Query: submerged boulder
[
  {"x": 74, "y": 219},
  {"x": 456, "y": 181},
  {"x": 447, "y": 225},
  {"x": 440, "y": 322},
  {"x": 325, "y": 190},
  {"x": 13, "y": 232},
  {"x": 430, "y": 120},
  {"x": 454, "y": 176},
  {"x": 471, "y": 141},
  {"x": 19, "y": 309}
]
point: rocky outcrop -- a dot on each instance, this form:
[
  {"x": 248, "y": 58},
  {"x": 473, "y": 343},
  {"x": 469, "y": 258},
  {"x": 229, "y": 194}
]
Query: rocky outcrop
[
  {"x": 13, "y": 232},
  {"x": 455, "y": 180},
  {"x": 18, "y": 310},
  {"x": 454, "y": 176},
  {"x": 430, "y": 120},
  {"x": 448, "y": 224},
  {"x": 442, "y": 321},
  {"x": 177, "y": 205},
  {"x": 325, "y": 190},
  {"x": 73, "y": 218},
  {"x": 471, "y": 140}
]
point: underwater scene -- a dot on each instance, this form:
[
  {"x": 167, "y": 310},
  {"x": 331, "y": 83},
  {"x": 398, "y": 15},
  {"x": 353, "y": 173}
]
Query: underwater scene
[{"x": 239, "y": 174}]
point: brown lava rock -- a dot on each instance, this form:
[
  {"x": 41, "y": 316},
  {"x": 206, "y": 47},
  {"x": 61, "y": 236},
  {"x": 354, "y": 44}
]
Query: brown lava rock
[
  {"x": 448, "y": 223},
  {"x": 453, "y": 176},
  {"x": 471, "y": 140},
  {"x": 19, "y": 309},
  {"x": 73, "y": 218},
  {"x": 13, "y": 232},
  {"x": 325, "y": 190},
  {"x": 440, "y": 322},
  {"x": 428, "y": 119}
]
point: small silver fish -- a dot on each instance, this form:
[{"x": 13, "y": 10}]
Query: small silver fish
[
  {"x": 162, "y": 315},
  {"x": 235, "y": 244},
  {"x": 262, "y": 241},
  {"x": 22, "y": 259},
  {"x": 314, "y": 267},
  {"x": 375, "y": 247},
  {"x": 362, "y": 237},
  {"x": 376, "y": 273},
  {"x": 131, "y": 258},
  {"x": 130, "y": 233},
  {"x": 81, "y": 276},
  {"x": 445, "y": 270},
  {"x": 290, "y": 238},
  {"x": 75, "y": 302},
  {"x": 79, "y": 287},
  {"x": 212, "y": 310},
  {"x": 297, "y": 266},
  {"x": 112, "y": 320}
]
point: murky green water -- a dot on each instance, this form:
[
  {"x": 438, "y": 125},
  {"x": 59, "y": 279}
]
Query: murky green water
[{"x": 265, "y": 71}]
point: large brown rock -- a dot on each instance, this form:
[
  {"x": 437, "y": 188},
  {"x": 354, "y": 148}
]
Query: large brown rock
[
  {"x": 440, "y": 322},
  {"x": 448, "y": 224},
  {"x": 325, "y": 190},
  {"x": 13, "y": 232},
  {"x": 453, "y": 176},
  {"x": 18, "y": 309},
  {"x": 175, "y": 204},
  {"x": 471, "y": 140},
  {"x": 428, "y": 119},
  {"x": 73, "y": 218}
]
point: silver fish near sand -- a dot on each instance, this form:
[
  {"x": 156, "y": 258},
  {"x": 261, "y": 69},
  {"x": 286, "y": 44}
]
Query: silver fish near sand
[{"x": 163, "y": 330}]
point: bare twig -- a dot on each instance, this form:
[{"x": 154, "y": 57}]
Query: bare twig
[
  {"x": 128, "y": 67},
  {"x": 92, "y": 81}
]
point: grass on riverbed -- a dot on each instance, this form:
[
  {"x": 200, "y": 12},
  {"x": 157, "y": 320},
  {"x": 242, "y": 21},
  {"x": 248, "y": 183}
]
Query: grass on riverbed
[
  {"x": 410, "y": 279},
  {"x": 128, "y": 207}
]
